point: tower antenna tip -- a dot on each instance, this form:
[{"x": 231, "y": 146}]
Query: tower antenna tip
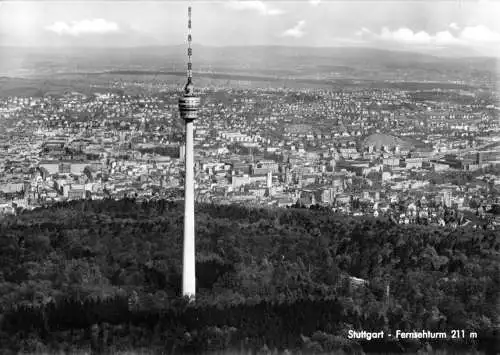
[{"x": 188, "y": 89}]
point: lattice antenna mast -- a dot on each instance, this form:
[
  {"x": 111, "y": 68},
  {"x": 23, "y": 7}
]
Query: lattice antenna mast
[{"x": 189, "y": 53}]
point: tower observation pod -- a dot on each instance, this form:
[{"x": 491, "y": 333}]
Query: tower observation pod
[{"x": 188, "y": 108}]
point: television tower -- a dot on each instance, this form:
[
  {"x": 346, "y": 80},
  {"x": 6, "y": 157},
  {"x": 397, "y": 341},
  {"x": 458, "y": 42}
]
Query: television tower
[{"x": 188, "y": 107}]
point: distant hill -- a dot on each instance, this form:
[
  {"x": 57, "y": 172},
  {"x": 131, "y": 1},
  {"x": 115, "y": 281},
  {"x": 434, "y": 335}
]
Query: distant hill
[{"x": 275, "y": 61}]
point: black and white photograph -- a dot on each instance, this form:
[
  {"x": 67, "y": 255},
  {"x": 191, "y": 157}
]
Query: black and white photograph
[{"x": 250, "y": 177}]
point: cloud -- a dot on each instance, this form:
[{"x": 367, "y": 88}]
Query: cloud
[
  {"x": 479, "y": 34},
  {"x": 76, "y": 28},
  {"x": 472, "y": 35},
  {"x": 297, "y": 31},
  {"x": 454, "y": 26},
  {"x": 445, "y": 37},
  {"x": 314, "y": 2},
  {"x": 364, "y": 31},
  {"x": 405, "y": 35},
  {"x": 256, "y": 5}
]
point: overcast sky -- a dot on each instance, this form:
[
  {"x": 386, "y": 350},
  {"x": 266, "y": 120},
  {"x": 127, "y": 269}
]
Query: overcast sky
[{"x": 421, "y": 25}]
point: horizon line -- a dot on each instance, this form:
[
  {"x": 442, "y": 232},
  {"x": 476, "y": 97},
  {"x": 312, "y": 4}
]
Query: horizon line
[{"x": 366, "y": 47}]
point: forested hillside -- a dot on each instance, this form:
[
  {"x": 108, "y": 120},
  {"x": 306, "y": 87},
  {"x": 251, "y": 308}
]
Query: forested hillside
[{"x": 107, "y": 275}]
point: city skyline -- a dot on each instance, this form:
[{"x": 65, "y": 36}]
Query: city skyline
[{"x": 467, "y": 27}]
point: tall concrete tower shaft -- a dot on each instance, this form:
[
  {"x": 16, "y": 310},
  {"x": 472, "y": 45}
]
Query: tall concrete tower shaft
[{"x": 188, "y": 107}]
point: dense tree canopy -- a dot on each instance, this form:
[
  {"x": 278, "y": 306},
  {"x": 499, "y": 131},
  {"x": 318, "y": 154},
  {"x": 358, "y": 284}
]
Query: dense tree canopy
[{"x": 275, "y": 277}]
